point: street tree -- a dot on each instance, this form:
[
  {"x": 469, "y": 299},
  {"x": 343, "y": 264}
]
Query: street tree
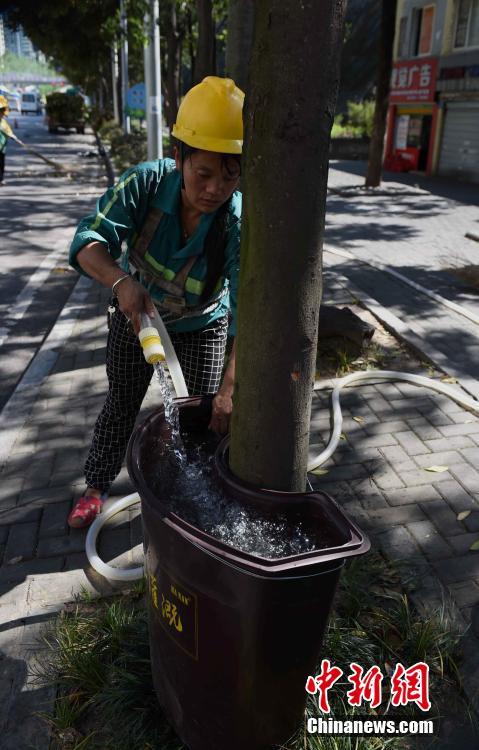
[
  {"x": 239, "y": 40},
  {"x": 77, "y": 37},
  {"x": 376, "y": 146},
  {"x": 289, "y": 114},
  {"x": 205, "y": 60}
]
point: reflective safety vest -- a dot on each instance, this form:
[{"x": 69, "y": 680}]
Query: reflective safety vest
[{"x": 173, "y": 305}]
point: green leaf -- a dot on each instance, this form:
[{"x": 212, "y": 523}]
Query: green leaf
[
  {"x": 474, "y": 546},
  {"x": 437, "y": 469}
]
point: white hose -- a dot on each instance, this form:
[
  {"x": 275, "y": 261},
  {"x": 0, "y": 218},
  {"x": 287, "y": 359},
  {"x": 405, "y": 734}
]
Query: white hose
[
  {"x": 132, "y": 574},
  {"x": 108, "y": 571},
  {"x": 171, "y": 358},
  {"x": 366, "y": 375}
]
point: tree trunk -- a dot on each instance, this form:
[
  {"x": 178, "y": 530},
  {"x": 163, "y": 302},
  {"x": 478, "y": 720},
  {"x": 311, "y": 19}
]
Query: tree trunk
[
  {"x": 205, "y": 60},
  {"x": 239, "y": 40},
  {"x": 289, "y": 114},
  {"x": 172, "y": 73},
  {"x": 376, "y": 147},
  {"x": 191, "y": 46}
]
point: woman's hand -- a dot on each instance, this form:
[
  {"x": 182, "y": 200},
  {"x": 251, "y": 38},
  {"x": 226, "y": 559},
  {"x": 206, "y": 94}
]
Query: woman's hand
[
  {"x": 221, "y": 413},
  {"x": 133, "y": 300},
  {"x": 223, "y": 401}
]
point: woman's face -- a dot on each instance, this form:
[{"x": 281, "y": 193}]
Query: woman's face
[{"x": 209, "y": 182}]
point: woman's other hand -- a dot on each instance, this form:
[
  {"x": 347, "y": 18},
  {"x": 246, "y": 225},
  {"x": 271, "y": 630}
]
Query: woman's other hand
[{"x": 221, "y": 413}]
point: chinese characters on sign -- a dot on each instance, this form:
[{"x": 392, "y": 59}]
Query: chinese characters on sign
[
  {"x": 409, "y": 685},
  {"x": 414, "y": 81}
]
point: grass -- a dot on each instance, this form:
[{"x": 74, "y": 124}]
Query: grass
[
  {"x": 344, "y": 357},
  {"x": 99, "y": 658}
]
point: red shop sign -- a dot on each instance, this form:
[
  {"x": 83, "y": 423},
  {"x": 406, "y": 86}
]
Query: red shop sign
[{"x": 414, "y": 80}]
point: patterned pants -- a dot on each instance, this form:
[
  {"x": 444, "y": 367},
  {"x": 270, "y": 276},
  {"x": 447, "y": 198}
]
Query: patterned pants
[{"x": 201, "y": 355}]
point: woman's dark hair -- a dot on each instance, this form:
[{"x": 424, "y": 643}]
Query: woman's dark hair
[{"x": 228, "y": 161}]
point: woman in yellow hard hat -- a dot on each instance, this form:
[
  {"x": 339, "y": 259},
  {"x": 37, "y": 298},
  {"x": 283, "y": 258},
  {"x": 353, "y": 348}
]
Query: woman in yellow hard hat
[
  {"x": 5, "y": 133},
  {"x": 180, "y": 219}
]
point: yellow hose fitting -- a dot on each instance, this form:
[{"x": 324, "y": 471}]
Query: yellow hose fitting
[{"x": 151, "y": 344}]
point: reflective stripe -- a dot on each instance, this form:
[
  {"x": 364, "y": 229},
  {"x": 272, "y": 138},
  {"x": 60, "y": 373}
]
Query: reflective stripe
[
  {"x": 192, "y": 285},
  {"x": 100, "y": 216}
]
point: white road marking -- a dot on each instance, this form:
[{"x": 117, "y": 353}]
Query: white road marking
[
  {"x": 26, "y": 296},
  {"x": 17, "y": 409}
]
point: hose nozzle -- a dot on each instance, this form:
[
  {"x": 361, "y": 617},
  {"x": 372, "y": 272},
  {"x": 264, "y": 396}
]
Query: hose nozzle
[{"x": 150, "y": 342}]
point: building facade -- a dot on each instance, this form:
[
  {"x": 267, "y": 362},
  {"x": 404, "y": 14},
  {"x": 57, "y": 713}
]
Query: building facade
[
  {"x": 433, "y": 120},
  {"x": 17, "y": 42}
]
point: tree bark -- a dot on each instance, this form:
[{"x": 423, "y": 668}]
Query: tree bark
[
  {"x": 171, "y": 75},
  {"x": 205, "y": 60},
  {"x": 376, "y": 146},
  {"x": 239, "y": 41},
  {"x": 289, "y": 114}
]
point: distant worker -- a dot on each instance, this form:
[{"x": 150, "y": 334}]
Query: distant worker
[{"x": 5, "y": 133}]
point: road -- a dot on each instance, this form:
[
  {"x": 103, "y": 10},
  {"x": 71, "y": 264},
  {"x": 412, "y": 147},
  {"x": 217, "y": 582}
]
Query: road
[
  {"x": 420, "y": 235},
  {"x": 38, "y": 214}
]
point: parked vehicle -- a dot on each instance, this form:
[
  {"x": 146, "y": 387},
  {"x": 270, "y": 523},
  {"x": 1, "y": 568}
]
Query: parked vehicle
[
  {"x": 66, "y": 110},
  {"x": 14, "y": 102},
  {"x": 31, "y": 102}
]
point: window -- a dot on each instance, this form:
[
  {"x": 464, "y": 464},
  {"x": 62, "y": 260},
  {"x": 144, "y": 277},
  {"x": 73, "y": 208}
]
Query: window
[
  {"x": 467, "y": 25},
  {"x": 422, "y": 30},
  {"x": 402, "y": 43}
]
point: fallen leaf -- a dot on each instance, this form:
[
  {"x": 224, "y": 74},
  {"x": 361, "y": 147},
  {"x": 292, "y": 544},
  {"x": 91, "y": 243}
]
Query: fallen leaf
[
  {"x": 463, "y": 514},
  {"x": 437, "y": 469},
  {"x": 359, "y": 420},
  {"x": 448, "y": 379},
  {"x": 61, "y": 269},
  {"x": 343, "y": 436},
  {"x": 319, "y": 472},
  {"x": 474, "y": 546}
]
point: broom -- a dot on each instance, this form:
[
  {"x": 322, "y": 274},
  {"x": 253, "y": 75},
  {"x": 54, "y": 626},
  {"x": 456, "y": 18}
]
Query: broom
[{"x": 54, "y": 164}]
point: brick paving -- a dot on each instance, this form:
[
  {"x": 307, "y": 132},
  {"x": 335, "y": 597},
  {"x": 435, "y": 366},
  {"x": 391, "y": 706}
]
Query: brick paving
[{"x": 378, "y": 474}]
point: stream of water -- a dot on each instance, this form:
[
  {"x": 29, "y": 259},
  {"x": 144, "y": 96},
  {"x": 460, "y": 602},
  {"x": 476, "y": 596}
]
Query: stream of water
[{"x": 195, "y": 496}]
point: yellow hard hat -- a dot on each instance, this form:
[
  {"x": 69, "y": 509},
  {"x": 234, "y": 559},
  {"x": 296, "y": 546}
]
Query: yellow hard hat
[
  {"x": 3, "y": 102},
  {"x": 209, "y": 117}
]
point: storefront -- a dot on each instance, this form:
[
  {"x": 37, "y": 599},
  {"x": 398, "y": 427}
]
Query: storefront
[
  {"x": 413, "y": 116},
  {"x": 459, "y": 100}
]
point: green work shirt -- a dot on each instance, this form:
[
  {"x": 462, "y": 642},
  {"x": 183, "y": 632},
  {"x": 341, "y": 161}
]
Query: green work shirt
[
  {"x": 5, "y": 133},
  {"x": 120, "y": 215}
]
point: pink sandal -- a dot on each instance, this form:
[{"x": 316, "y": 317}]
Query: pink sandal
[{"x": 85, "y": 511}]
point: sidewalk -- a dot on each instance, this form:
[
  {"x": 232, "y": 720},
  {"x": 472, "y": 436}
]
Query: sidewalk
[{"x": 378, "y": 475}]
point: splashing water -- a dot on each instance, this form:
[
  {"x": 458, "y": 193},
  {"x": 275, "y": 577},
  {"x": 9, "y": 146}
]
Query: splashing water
[
  {"x": 196, "y": 498},
  {"x": 172, "y": 415}
]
